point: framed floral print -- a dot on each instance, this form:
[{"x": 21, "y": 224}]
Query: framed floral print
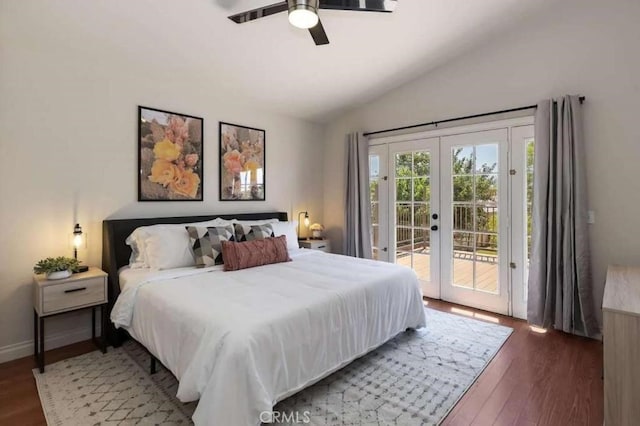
[
  {"x": 242, "y": 163},
  {"x": 169, "y": 156}
]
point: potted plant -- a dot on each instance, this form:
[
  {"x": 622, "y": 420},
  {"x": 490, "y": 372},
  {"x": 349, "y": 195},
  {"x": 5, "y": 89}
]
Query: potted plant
[{"x": 56, "y": 268}]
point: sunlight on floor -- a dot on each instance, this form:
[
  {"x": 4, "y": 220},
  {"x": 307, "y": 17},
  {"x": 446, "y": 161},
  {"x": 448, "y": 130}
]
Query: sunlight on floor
[
  {"x": 462, "y": 312},
  {"x": 477, "y": 315},
  {"x": 538, "y": 329},
  {"x": 486, "y": 318}
]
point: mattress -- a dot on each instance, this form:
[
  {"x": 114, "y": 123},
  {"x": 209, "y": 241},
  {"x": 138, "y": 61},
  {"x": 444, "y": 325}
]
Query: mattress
[{"x": 241, "y": 341}]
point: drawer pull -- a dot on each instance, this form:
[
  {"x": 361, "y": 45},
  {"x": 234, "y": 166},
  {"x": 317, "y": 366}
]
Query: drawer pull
[
  {"x": 72, "y": 290},
  {"x": 322, "y": 247}
]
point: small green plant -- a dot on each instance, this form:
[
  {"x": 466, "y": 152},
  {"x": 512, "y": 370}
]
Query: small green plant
[{"x": 60, "y": 263}]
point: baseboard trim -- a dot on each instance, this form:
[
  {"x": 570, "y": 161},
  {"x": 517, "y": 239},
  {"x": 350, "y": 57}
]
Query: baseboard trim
[{"x": 23, "y": 349}]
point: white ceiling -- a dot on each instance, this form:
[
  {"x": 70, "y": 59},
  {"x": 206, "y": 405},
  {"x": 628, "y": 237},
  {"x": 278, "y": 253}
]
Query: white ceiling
[{"x": 276, "y": 66}]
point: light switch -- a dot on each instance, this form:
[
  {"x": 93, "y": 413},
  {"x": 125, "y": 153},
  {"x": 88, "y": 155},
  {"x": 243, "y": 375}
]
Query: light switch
[{"x": 591, "y": 216}]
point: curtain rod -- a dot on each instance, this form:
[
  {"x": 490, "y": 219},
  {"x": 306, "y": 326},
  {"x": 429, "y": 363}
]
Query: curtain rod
[{"x": 435, "y": 123}]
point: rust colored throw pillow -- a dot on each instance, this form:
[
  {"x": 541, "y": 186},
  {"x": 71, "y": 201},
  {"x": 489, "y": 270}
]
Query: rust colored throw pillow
[{"x": 248, "y": 254}]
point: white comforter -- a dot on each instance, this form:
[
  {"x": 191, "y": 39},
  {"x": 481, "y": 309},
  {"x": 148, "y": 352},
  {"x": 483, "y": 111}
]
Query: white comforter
[{"x": 241, "y": 341}]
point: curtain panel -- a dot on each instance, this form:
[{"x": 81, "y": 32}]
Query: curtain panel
[
  {"x": 357, "y": 242},
  {"x": 560, "y": 282}
]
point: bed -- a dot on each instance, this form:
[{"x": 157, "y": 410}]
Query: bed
[{"x": 241, "y": 341}]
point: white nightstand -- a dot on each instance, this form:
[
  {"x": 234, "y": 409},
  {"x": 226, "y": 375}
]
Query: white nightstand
[
  {"x": 320, "y": 245},
  {"x": 79, "y": 291}
]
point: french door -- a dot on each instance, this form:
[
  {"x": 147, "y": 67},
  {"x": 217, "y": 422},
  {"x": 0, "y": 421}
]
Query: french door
[
  {"x": 456, "y": 209},
  {"x": 475, "y": 233},
  {"x": 414, "y": 209}
]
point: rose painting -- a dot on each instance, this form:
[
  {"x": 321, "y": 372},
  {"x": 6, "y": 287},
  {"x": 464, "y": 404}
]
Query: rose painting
[
  {"x": 170, "y": 157},
  {"x": 242, "y": 165}
]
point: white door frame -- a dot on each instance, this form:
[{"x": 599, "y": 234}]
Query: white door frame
[
  {"x": 517, "y": 276},
  {"x": 431, "y": 288},
  {"x": 454, "y": 292},
  {"x": 382, "y": 151},
  {"x": 518, "y": 192}
]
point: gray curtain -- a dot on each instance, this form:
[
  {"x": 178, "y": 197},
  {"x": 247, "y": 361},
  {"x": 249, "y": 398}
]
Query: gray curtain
[
  {"x": 560, "y": 270},
  {"x": 357, "y": 240}
]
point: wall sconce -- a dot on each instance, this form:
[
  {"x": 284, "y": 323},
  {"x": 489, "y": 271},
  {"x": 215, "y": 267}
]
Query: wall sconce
[
  {"x": 306, "y": 223},
  {"x": 79, "y": 240}
]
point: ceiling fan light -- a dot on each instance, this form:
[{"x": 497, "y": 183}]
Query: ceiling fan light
[{"x": 303, "y": 13}]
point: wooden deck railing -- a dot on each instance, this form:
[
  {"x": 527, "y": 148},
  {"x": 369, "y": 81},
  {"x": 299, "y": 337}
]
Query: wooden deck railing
[{"x": 486, "y": 238}]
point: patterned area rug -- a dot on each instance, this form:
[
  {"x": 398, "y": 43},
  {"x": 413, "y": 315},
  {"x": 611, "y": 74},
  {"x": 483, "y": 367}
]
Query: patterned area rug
[{"x": 414, "y": 379}]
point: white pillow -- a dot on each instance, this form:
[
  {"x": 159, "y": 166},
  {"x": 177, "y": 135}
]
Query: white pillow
[
  {"x": 255, "y": 222},
  {"x": 289, "y": 230},
  {"x": 167, "y": 245},
  {"x": 136, "y": 242}
]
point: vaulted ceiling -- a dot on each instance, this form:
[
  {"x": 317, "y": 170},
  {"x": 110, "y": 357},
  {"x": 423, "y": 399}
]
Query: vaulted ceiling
[{"x": 271, "y": 64}]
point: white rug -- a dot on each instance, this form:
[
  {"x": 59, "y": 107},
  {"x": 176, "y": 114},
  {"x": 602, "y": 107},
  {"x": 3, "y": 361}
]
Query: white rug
[{"x": 415, "y": 379}]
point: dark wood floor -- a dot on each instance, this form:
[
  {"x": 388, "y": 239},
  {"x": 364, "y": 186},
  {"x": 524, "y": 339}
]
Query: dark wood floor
[{"x": 535, "y": 379}]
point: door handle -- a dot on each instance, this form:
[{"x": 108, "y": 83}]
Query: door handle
[
  {"x": 434, "y": 227},
  {"x": 385, "y": 249}
]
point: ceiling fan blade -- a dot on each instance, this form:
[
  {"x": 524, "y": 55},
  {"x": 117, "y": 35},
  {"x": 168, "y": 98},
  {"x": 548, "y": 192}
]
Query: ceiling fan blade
[
  {"x": 260, "y": 12},
  {"x": 360, "y": 5},
  {"x": 318, "y": 34}
]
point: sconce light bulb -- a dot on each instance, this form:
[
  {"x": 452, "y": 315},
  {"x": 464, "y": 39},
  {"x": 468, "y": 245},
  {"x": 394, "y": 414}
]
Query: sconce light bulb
[{"x": 77, "y": 241}]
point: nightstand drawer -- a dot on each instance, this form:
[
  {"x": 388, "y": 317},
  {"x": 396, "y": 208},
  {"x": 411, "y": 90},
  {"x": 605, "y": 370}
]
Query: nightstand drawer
[
  {"x": 320, "y": 245},
  {"x": 73, "y": 294}
]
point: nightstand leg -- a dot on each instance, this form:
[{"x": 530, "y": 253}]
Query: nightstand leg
[
  {"x": 103, "y": 328},
  {"x": 35, "y": 334},
  {"x": 93, "y": 324},
  {"x": 41, "y": 345}
]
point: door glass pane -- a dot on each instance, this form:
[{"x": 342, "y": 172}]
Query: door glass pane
[
  {"x": 463, "y": 217},
  {"x": 463, "y": 261},
  {"x": 421, "y": 215},
  {"x": 403, "y": 214},
  {"x": 422, "y": 254},
  {"x": 487, "y": 158},
  {"x": 486, "y": 262},
  {"x": 373, "y": 190},
  {"x": 486, "y": 273},
  {"x": 375, "y": 235},
  {"x": 462, "y": 188},
  {"x": 375, "y": 214},
  {"x": 374, "y": 198},
  {"x": 403, "y": 189},
  {"x": 421, "y": 189},
  {"x": 374, "y": 166},
  {"x": 486, "y": 218},
  {"x": 530, "y": 147},
  {"x": 412, "y": 201},
  {"x": 462, "y": 160},
  {"x": 403, "y": 239},
  {"x": 403, "y": 165},
  {"x": 475, "y": 217},
  {"x": 421, "y": 163},
  {"x": 486, "y": 188},
  {"x": 530, "y": 158}
]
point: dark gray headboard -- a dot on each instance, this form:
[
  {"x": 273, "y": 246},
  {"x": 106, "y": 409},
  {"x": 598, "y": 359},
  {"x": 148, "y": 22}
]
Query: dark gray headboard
[{"x": 115, "y": 253}]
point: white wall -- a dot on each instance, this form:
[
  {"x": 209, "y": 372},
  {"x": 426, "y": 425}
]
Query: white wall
[
  {"x": 587, "y": 47},
  {"x": 68, "y": 152}
]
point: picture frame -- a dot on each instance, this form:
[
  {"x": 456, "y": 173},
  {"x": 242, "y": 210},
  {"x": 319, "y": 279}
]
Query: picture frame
[
  {"x": 242, "y": 163},
  {"x": 170, "y": 156}
]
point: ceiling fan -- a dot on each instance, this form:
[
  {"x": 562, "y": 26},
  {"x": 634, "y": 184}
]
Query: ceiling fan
[{"x": 304, "y": 13}]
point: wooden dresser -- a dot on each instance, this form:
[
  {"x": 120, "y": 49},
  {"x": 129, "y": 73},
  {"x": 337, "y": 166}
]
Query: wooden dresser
[{"x": 621, "y": 338}]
